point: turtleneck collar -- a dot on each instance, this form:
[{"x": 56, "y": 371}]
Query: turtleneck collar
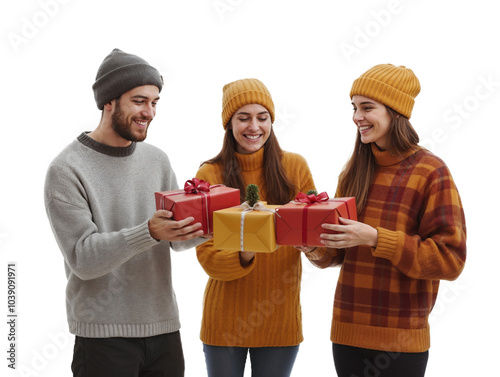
[
  {"x": 386, "y": 158},
  {"x": 86, "y": 140},
  {"x": 252, "y": 161}
]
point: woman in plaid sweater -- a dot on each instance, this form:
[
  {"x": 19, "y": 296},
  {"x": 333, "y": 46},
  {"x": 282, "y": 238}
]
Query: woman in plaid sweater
[{"x": 411, "y": 234}]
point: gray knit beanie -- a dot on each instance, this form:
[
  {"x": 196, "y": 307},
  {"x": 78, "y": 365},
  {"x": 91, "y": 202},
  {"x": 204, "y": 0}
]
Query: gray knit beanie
[{"x": 120, "y": 72}]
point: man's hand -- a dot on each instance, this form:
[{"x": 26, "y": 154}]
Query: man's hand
[{"x": 162, "y": 227}]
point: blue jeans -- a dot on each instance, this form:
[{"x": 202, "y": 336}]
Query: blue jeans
[{"x": 266, "y": 361}]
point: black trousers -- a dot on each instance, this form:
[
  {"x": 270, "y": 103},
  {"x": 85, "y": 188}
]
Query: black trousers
[
  {"x": 361, "y": 362},
  {"x": 157, "y": 356}
]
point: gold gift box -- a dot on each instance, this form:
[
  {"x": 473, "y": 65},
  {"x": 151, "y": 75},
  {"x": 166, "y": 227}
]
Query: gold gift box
[{"x": 259, "y": 234}]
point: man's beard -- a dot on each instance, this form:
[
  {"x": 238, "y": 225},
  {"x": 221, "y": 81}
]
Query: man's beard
[{"x": 123, "y": 127}]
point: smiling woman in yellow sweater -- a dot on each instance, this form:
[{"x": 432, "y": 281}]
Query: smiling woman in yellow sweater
[
  {"x": 252, "y": 300},
  {"x": 410, "y": 235}
]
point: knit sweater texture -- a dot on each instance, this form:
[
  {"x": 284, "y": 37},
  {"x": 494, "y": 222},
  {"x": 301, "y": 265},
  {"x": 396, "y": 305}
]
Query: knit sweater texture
[
  {"x": 257, "y": 305},
  {"x": 385, "y": 294},
  {"x": 98, "y": 200}
]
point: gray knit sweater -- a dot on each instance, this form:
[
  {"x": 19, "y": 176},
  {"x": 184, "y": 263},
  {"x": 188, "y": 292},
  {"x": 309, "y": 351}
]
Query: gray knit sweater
[{"x": 99, "y": 200}]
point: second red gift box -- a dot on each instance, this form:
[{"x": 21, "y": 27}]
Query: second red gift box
[{"x": 298, "y": 223}]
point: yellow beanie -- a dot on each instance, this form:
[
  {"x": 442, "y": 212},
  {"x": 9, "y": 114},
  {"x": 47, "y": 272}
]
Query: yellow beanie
[
  {"x": 244, "y": 92},
  {"x": 395, "y": 87}
]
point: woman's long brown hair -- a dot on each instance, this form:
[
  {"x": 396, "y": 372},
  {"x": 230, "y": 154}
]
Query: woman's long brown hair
[
  {"x": 357, "y": 175},
  {"x": 279, "y": 189}
]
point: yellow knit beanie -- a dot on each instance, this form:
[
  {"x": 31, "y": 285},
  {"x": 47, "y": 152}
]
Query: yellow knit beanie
[
  {"x": 244, "y": 92},
  {"x": 395, "y": 87}
]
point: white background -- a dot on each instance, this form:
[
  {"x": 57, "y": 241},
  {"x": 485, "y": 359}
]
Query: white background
[{"x": 307, "y": 54}]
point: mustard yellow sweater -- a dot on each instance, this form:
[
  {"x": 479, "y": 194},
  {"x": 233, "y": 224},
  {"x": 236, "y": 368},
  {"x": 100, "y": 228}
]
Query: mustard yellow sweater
[{"x": 257, "y": 305}]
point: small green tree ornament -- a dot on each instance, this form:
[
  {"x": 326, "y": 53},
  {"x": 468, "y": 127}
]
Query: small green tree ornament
[
  {"x": 252, "y": 194},
  {"x": 310, "y": 192}
]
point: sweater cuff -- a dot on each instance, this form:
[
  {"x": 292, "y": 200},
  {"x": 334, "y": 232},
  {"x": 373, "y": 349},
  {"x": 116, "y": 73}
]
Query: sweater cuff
[
  {"x": 316, "y": 254},
  {"x": 139, "y": 238},
  {"x": 189, "y": 244},
  {"x": 232, "y": 268},
  {"x": 388, "y": 244}
]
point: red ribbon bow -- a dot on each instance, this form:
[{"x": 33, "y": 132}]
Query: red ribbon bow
[
  {"x": 195, "y": 185},
  {"x": 309, "y": 199}
]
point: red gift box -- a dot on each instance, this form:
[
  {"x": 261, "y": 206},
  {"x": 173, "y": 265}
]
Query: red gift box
[
  {"x": 299, "y": 223},
  {"x": 198, "y": 199}
]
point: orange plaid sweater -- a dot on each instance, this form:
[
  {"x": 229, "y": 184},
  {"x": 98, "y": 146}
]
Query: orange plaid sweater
[
  {"x": 257, "y": 305},
  {"x": 385, "y": 294}
]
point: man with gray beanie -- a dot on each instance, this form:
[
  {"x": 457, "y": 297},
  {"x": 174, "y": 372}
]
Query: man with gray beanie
[{"x": 99, "y": 198}]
